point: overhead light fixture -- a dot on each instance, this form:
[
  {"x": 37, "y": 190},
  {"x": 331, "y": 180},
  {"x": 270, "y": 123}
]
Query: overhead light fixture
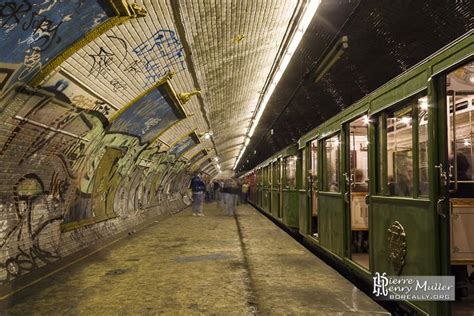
[
  {"x": 423, "y": 103},
  {"x": 330, "y": 58},
  {"x": 207, "y": 135},
  {"x": 307, "y": 16},
  {"x": 366, "y": 120}
]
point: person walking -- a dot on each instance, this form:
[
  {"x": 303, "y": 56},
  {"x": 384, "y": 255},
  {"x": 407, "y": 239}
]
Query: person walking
[
  {"x": 230, "y": 190},
  {"x": 198, "y": 187}
]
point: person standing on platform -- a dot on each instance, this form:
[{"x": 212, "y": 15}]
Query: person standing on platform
[
  {"x": 198, "y": 187},
  {"x": 230, "y": 193},
  {"x": 215, "y": 189}
]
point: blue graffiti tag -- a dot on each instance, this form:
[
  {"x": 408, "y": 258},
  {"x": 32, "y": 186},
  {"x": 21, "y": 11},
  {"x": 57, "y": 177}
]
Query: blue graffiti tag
[{"x": 162, "y": 45}]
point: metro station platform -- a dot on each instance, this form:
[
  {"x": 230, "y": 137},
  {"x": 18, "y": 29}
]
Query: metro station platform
[{"x": 183, "y": 265}]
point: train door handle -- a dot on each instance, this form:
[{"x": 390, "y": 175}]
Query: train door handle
[
  {"x": 346, "y": 197},
  {"x": 440, "y": 206},
  {"x": 347, "y": 178},
  {"x": 443, "y": 176}
]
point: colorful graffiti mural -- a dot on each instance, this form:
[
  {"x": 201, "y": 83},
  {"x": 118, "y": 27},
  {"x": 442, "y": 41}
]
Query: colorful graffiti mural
[
  {"x": 82, "y": 182},
  {"x": 71, "y": 175}
]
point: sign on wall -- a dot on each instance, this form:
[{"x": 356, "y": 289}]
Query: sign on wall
[
  {"x": 150, "y": 115},
  {"x": 184, "y": 145}
]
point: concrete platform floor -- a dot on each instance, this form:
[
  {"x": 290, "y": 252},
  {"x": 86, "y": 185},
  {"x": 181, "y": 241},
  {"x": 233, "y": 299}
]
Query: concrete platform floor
[{"x": 199, "y": 265}]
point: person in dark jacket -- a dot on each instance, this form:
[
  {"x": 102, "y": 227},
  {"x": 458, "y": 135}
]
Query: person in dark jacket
[
  {"x": 230, "y": 193},
  {"x": 198, "y": 187}
]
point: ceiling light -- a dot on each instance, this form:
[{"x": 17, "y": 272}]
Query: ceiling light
[
  {"x": 423, "y": 103},
  {"x": 296, "y": 37},
  {"x": 366, "y": 120},
  {"x": 405, "y": 120}
]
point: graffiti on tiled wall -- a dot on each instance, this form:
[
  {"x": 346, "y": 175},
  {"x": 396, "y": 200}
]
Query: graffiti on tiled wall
[
  {"x": 75, "y": 170},
  {"x": 152, "y": 58},
  {"x": 60, "y": 167}
]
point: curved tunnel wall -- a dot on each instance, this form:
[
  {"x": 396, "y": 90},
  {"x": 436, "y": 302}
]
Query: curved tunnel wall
[
  {"x": 67, "y": 183},
  {"x": 104, "y": 144}
]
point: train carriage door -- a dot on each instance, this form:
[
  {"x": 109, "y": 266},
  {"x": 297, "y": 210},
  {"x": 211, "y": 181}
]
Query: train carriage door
[
  {"x": 275, "y": 204},
  {"x": 356, "y": 177},
  {"x": 313, "y": 188},
  {"x": 456, "y": 173},
  {"x": 330, "y": 198}
]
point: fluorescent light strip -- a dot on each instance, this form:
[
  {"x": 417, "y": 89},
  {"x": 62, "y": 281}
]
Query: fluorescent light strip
[{"x": 303, "y": 24}]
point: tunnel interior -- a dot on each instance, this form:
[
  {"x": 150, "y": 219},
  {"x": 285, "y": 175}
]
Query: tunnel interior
[{"x": 108, "y": 107}]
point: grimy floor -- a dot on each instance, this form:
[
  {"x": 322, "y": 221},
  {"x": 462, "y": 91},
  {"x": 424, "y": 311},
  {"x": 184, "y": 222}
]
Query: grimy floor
[{"x": 199, "y": 265}]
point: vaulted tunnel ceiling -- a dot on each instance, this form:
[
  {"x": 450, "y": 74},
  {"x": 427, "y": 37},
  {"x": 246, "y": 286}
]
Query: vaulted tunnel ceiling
[{"x": 105, "y": 58}]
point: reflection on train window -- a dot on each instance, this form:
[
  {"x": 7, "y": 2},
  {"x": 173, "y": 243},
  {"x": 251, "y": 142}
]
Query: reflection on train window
[
  {"x": 290, "y": 172},
  {"x": 400, "y": 151},
  {"x": 423, "y": 146},
  {"x": 314, "y": 163},
  {"x": 331, "y": 164}
]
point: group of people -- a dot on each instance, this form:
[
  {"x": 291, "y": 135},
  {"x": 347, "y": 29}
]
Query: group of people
[{"x": 230, "y": 192}]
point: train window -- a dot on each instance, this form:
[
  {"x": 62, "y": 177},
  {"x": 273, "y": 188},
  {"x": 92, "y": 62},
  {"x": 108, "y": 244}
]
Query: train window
[
  {"x": 290, "y": 172},
  {"x": 381, "y": 175},
  {"x": 275, "y": 174},
  {"x": 265, "y": 176},
  {"x": 301, "y": 176},
  {"x": 314, "y": 164},
  {"x": 404, "y": 128},
  {"x": 331, "y": 164},
  {"x": 400, "y": 151},
  {"x": 423, "y": 146},
  {"x": 313, "y": 182}
]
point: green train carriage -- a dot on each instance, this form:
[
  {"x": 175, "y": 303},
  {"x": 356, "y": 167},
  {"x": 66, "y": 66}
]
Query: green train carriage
[{"x": 396, "y": 166}]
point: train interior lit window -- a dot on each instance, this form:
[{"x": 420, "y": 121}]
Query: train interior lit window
[
  {"x": 460, "y": 107},
  {"x": 290, "y": 172},
  {"x": 265, "y": 177},
  {"x": 313, "y": 179},
  {"x": 331, "y": 164},
  {"x": 422, "y": 108},
  {"x": 359, "y": 188},
  {"x": 400, "y": 152},
  {"x": 379, "y": 124}
]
